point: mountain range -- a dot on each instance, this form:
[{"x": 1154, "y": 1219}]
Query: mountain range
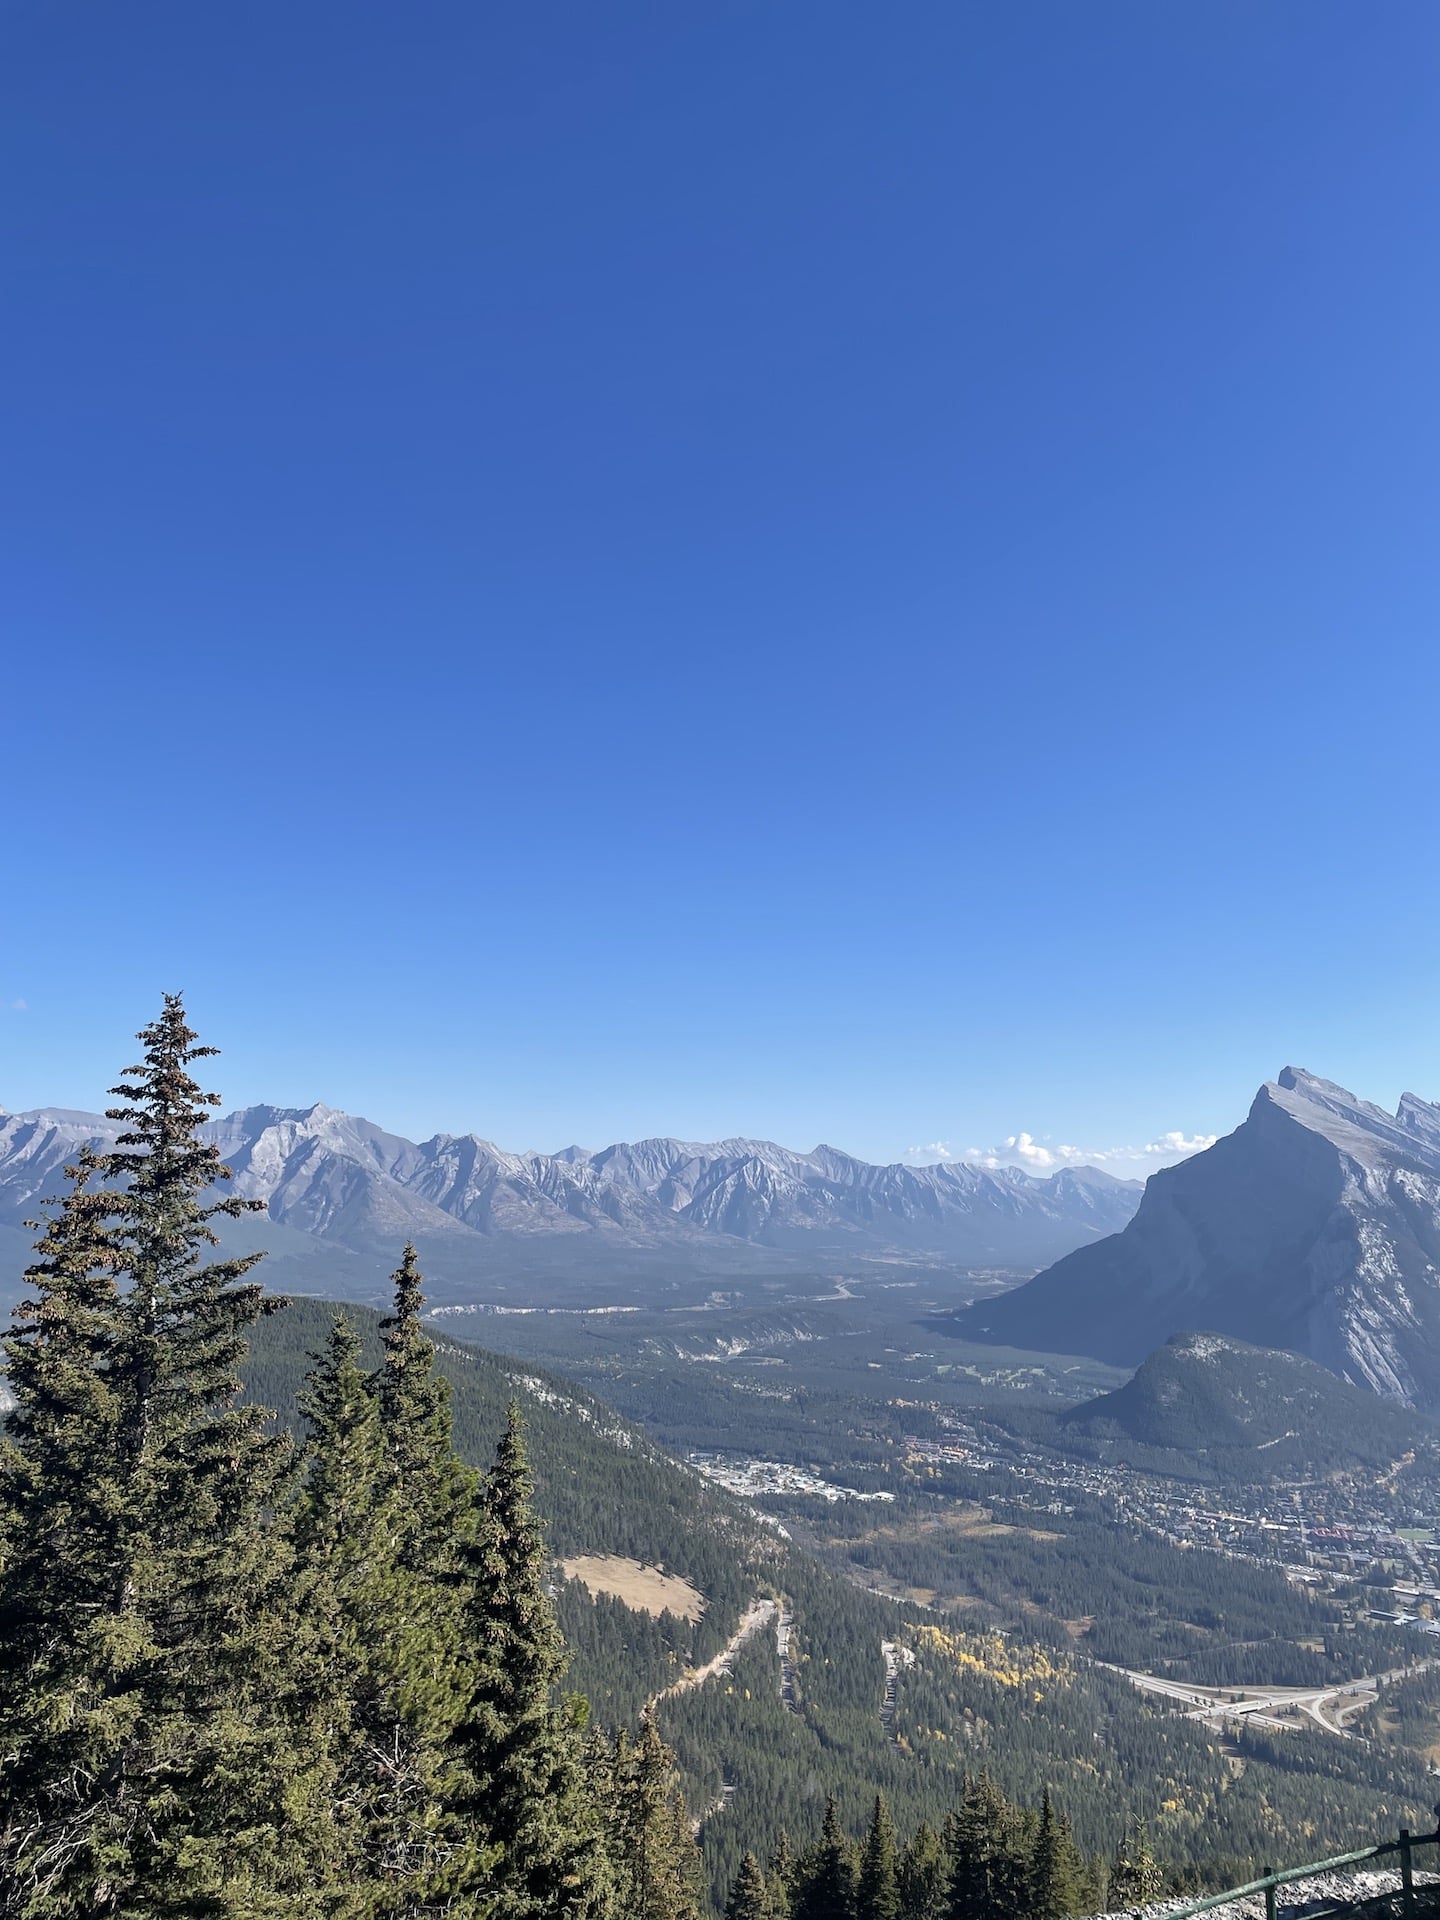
[
  {"x": 1314, "y": 1227},
  {"x": 335, "y": 1186}
]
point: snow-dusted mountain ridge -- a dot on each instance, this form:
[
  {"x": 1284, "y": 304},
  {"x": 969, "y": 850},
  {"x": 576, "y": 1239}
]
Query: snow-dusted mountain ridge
[
  {"x": 1314, "y": 1227},
  {"x": 345, "y": 1181}
]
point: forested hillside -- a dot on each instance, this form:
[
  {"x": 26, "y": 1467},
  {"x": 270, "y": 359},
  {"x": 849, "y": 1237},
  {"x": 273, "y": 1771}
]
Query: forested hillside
[{"x": 601, "y": 1487}]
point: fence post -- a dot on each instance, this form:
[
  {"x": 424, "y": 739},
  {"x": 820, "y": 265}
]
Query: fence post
[
  {"x": 1269, "y": 1895},
  {"x": 1407, "y": 1875}
]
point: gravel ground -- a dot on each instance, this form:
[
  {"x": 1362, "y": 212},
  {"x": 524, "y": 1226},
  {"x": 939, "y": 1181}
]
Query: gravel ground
[{"x": 1302, "y": 1897}]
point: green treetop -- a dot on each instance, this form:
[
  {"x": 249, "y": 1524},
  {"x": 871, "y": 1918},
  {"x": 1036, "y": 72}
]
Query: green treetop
[
  {"x": 438, "y": 1490},
  {"x": 749, "y": 1895},
  {"x": 781, "y": 1874},
  {"x": 987, "y": 1871},
  {"x": 1056, "y": 1870},
  {"x": 522, "y": 1749},
  {"x": 1136, "y": 1878},
  {"x": 923, "y": 1876},
  {"x": 877, "y": 1890},
  {"x": 388, "y": 1667},
  {"x": 656, "y": 1863},
  {"x": 826, "y": 1890}
]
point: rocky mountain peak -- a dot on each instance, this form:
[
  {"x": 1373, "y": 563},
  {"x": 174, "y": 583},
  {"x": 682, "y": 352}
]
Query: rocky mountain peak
[{"x": 1314, "y": 1227}]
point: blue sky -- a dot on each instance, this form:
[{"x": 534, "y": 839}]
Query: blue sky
[{"x": 842, "y": 573}]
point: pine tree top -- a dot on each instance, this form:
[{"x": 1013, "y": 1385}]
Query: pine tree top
[
  {"x": 408, "y": 1285},
  {"x": 162, "y": 1109}
]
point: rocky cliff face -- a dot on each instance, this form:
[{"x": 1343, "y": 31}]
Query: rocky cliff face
[{"x": 1315, "y": 1227}]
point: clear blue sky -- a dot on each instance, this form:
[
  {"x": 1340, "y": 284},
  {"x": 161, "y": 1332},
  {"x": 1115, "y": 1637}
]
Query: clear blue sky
[{"x": 834, "y": 571}]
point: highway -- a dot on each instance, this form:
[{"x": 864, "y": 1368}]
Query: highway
[{"x": 1326, "y": 1707}]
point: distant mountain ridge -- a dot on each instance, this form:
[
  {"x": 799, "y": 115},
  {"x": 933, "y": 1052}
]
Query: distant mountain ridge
[
  {"x": 343, "y": 1182},
  {"x": 1314, "y": 1227}
]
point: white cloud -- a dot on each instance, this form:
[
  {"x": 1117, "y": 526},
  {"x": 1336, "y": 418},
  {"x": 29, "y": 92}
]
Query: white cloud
[
  {"x": 1179, "y": 1146},
  {"x": 927, "y": 1156},
  {"x": 16, "y": 1006},
  {"x": 1039, "y": 1154},
  {"x": 1028, "y": 1151}
]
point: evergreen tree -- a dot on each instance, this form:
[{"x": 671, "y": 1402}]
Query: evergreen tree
[
  {"x": 986, "y": 1872},
  {"x": 1055, "y": 1867},
  {"x": 749, "y": 1895},
  {"x": 781, "y": 1876},
  {"x": 201, "y": 1805},
  {"x": 826, "y": 1888},
  {"x": 1136, "y": 1878},
  {"x": 437, "y": 1490},
  {"x": 192, "y": 1794},
  {"x": 877, "y": 1889},
  {"x": 58, "y": 1541},
  {"x": 423, "y": 1674},
  {"x": 656, "y": 1863},
  {"x": 386, "y": 1660},
  {"x": 527, "y": 1785},
  {"x": 922, "y": 1876}
]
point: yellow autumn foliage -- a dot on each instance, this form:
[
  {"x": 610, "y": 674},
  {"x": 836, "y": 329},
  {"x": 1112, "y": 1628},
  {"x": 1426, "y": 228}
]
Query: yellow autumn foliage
[{"x": 1009, "y": 1663}]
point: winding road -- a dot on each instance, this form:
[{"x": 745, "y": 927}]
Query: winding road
[
  {"x": 896, "y": 1657},
  {"x": 784, "y": 1628}
]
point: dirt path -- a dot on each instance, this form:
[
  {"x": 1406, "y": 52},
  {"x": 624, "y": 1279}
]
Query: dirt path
[{"x": 756, "y": 1617}]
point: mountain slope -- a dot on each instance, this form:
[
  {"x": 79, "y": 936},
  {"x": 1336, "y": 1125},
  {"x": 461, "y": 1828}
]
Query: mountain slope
[
  {"x": 602, "y": 1486},
  {"x": 1252, "y": 1412},
  {"x": 356, "y": 1193},
  {"x": 1314, "y": 1227}
]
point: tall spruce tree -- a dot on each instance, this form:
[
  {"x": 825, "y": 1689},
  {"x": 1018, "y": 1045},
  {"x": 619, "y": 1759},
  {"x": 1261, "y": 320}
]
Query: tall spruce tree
[
  {"x": 424, "y": 1675},
  {"x": 656, "y": 1864},
  {"x": 749, "y": 1895},
  {"x": 199, "y": 1812},
  {"x": 825, "y": 1888},
  {"x": 987, "y": 1868},
  {"x": 877, "y": 1889},
  {"x": 1056, "y": 1870},
  {"x": 528, "y": 1788},
  {"x": 922, "y": 1876},
  {"x": 781, "y": 1876},
  {"x": 192, "y": 1796},
  {"x": 59, "y": 1537},
  {"x": 385, "y": 1660},
  {"x": 438, "y": 1491}
]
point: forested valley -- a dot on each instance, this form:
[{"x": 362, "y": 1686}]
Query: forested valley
[{"x": 327, "y": 1664}]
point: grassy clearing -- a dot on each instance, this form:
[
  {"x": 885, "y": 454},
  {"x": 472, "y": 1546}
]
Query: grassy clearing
[{"x": 646, "y": 1589}]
